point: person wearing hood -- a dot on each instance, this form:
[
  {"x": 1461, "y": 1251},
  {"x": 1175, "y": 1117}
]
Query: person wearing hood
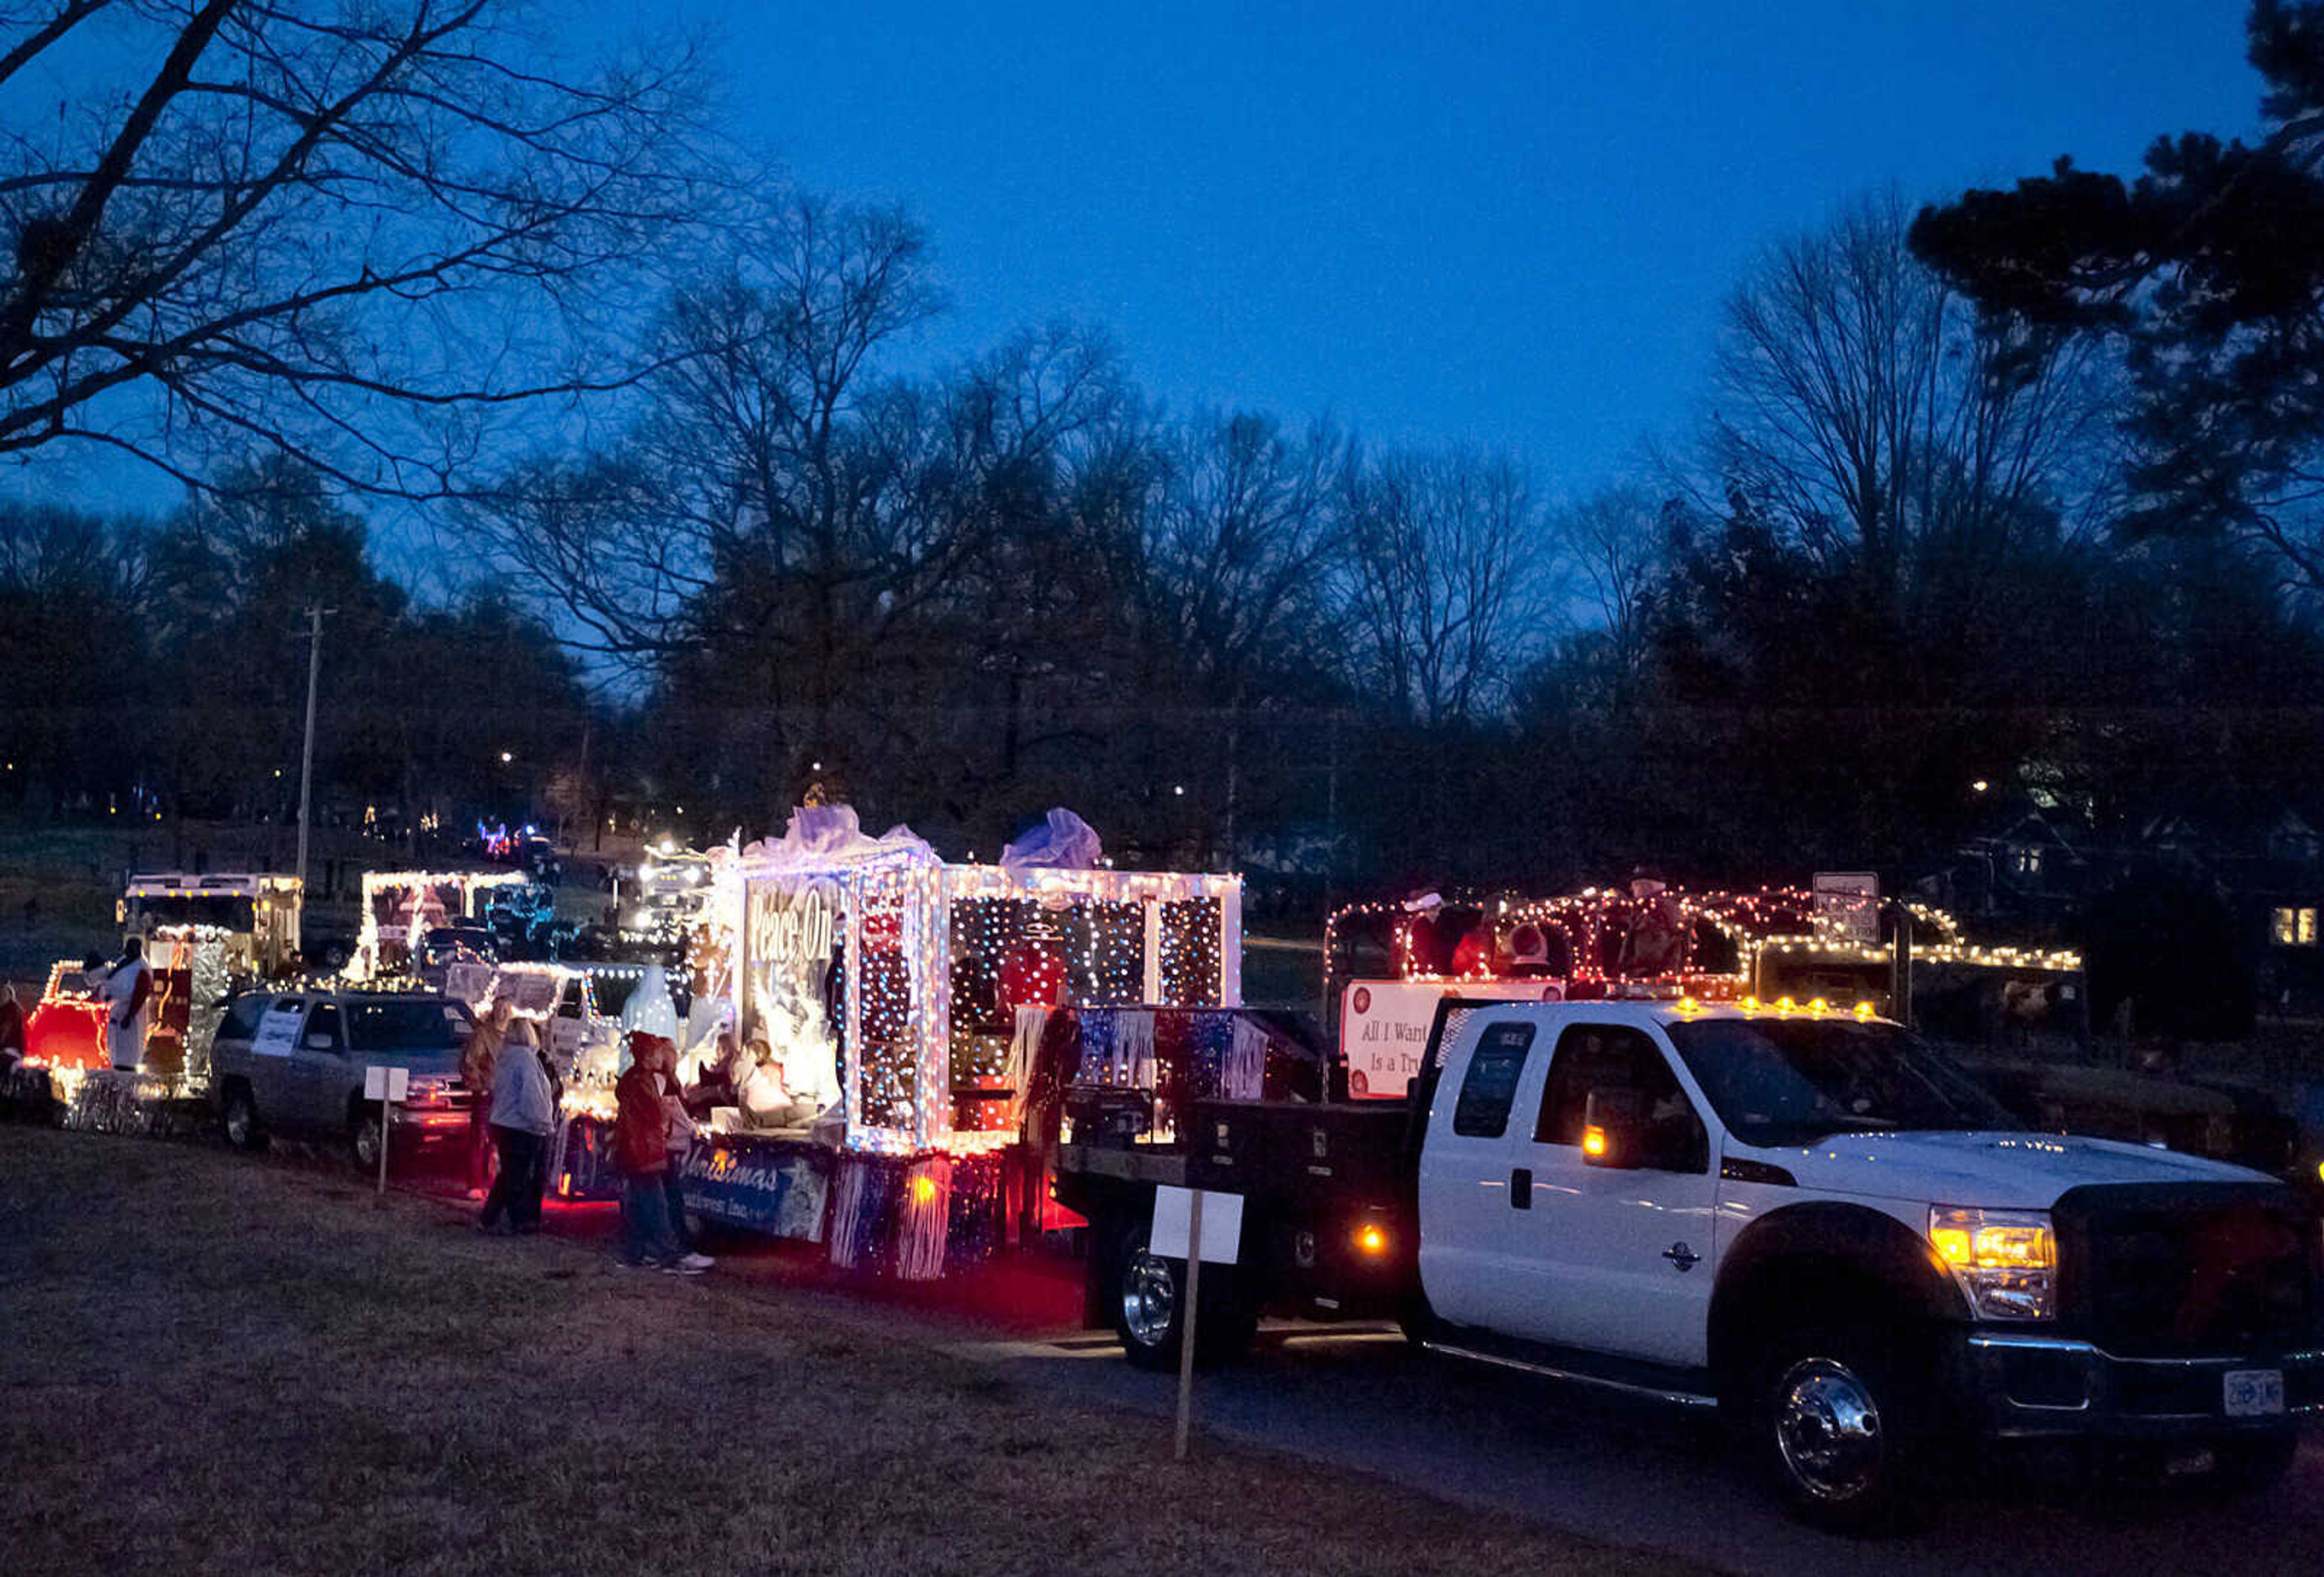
[
  {"x": 523, "y": 1116},
  {"x": 642, "y": 1133}
]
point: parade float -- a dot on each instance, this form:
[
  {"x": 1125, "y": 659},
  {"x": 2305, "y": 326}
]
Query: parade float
[
  {"x": 253, "y": 918},
  {"x": 883, "y": 1014},
  {"x": 400, "y": 908},
  {"x": 202, "y": 935},
  {"x": 1834, "y": 946}
]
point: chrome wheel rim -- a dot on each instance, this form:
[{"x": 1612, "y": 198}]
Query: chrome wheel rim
[
  {"x": 367, "y": 1143},
  {"x": 1828, "y": 1429},
  {"x": 238, "y": 1121},
  {"x": 1149, "y": 1299}
]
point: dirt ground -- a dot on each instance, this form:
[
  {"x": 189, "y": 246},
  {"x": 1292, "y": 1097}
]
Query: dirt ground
[{"x": 215, "y": 1363}]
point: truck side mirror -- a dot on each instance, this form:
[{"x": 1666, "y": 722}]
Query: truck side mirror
[{"x": 1614, "y": 1129}]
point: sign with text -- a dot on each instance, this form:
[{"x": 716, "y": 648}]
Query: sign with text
[
  {"x": 1384, "y": 1026},
  {"x": 278, "y": 1032},
  {"x": 1850, "y": 902},
  {"x": 777, "y": 1189},
  {"x": 1173, "y": 1213},
  {"x": 791, "y": 927}
]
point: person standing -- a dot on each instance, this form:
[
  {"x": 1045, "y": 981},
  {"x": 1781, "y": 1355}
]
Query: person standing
[
  {"x": 523, "y": 1114},
  {"x": 679, "y": 1143},
  {"x": 11, "y": 1030},
  {"x": 477, "y": 1059},
  {"x": 128, "y": 1004},
  {"x": 642, "y": 1151}
]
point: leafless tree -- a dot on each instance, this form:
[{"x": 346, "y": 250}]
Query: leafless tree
[
  {"x": 1446, "y": 568},
  {"x": 1239, "y": 546},
  {"x": 1861, "y": 408},
  {"x": 763, "y": 459},
  {"x": 355, "y": 230},
  {"x": 1612, "y": 541}
]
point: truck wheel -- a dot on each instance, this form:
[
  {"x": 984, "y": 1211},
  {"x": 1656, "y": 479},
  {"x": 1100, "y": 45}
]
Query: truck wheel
[
  {"x": 1148, "y": 1306},
  {"x": 1831, "y": 1422},
  {"x": 1150, "y": 1302},
  {"x": 242, "y": 1128},
  {"x": 364, "y": 1140}
]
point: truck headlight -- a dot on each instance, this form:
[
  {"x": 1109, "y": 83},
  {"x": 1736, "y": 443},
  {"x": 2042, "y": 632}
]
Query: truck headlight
[{"x": 2006, "y": 1260}]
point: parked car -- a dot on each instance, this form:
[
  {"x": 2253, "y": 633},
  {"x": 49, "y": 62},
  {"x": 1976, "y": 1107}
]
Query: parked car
[
  {"x": 1809, "y": 1219},
  {"x": 292, "y": 1063},
  {"x": 446, "y": 944}
]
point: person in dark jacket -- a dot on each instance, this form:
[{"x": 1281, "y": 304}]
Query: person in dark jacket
[
  {"x": 641, "y": 1153},
  {"x": 11, "y": 1030}
]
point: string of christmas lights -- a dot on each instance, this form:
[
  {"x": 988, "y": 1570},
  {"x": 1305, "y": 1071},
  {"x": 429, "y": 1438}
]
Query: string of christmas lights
[
  {"x": 1657, "y": 942},
  {"x": 931, "y": 955}
]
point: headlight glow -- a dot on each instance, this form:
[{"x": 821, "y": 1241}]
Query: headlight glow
[{"x": 2006, "y": 1260}]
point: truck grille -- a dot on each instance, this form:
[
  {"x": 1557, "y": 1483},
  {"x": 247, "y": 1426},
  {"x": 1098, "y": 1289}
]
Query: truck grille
[{"x": 2181, "y": 1270}]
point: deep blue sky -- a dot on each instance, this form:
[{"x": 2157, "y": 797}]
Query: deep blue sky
[{"x": 1502, "y": 221}]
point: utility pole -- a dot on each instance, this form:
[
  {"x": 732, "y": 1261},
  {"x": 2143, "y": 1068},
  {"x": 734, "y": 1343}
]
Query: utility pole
[{"x": 315, "y": 611}]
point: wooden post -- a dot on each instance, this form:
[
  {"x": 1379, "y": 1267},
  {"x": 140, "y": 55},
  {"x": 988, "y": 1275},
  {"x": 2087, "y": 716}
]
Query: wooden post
[
  {"x": 1186, "y": 1326},
  {"x": 386, "y": 1126}
]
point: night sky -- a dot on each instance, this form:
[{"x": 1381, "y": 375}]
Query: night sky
[{"x": 1512, "y": 221}]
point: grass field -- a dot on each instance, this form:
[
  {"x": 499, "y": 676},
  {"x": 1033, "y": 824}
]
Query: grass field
[{"x": 210, "y": 1363}]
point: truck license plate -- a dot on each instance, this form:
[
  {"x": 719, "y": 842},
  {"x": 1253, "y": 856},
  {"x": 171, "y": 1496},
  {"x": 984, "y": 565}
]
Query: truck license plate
[{"x": 2254, "y": 1393}]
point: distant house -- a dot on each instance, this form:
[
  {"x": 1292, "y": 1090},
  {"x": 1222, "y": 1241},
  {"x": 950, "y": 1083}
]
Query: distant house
[{"x": 2028, "y": 870}]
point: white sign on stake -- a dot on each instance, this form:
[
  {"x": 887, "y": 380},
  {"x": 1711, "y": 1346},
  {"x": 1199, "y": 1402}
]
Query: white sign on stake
[
  {"x": 1850, "y": 900},
  {"x": 1174, "y": 1208},
  {"x": 386, "y": 1084}
]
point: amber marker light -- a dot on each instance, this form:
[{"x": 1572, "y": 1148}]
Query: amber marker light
[
  {"x": 1593, "y": 1141},
  {"x": 1372, "y": 1241}
]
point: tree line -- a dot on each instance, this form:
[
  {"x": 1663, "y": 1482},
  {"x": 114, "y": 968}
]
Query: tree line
[{"x": 156, "y": 668}]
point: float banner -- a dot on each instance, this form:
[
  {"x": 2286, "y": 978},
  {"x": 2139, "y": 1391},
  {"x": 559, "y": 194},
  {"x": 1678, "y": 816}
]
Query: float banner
[
  {"x": 1384, "y": 1026},
  {"x": 775, "y": 1189}
]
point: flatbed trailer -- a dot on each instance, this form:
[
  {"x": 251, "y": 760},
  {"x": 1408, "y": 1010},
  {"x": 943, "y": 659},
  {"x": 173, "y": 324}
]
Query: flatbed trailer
[{"x": 1329, "y": 1215}]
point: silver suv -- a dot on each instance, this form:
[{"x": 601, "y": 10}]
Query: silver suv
[{"x": 293, "y": 1063}]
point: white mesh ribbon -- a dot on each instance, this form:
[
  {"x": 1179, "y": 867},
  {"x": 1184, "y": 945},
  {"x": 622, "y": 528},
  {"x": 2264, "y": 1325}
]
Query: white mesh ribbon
[
  {"x": 819, "y": 836},
  {"x": 1063, "y": 842}
]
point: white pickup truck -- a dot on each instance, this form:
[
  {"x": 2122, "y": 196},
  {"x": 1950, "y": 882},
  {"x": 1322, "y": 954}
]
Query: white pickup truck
[{"x": 1807, "y": 1218}]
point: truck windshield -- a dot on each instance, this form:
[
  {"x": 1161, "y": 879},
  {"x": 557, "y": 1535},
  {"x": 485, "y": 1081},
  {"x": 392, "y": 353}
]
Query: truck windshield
[
  {"x": 417, "y": 1024},
  {"x": 1791, "y": 1082},
  {"x": 226, "y": 911}
]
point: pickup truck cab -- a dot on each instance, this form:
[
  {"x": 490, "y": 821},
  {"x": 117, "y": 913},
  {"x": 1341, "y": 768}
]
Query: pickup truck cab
[
  {"x": 1808, "y": 1219},
  {"x": 293, "y": 1063}
]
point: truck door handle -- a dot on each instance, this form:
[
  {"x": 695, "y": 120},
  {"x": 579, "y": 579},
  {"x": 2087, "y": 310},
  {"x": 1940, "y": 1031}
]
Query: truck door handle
[{"x": 1521, "y": 1188}]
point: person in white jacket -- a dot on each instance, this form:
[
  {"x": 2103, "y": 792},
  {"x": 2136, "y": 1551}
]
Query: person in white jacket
[{"x": 524, "y": 1115}]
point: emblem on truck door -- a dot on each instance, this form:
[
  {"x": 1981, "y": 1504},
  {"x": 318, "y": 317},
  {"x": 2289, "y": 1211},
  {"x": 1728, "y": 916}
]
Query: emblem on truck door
[{"x": 1680, "y": 1255}]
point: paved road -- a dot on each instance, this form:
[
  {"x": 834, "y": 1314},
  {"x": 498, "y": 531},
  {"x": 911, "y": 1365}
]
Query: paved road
[{"x": 1633, "y": 1475}]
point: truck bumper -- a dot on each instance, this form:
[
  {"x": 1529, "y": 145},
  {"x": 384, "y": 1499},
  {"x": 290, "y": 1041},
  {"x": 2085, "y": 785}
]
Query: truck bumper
[
  {"x": 2018, "y": 1385},
  {"x": 424, "y": 1125}
]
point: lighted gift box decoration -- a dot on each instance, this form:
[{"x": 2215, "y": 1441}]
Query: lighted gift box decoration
[{"x": 865, "y": 963}]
